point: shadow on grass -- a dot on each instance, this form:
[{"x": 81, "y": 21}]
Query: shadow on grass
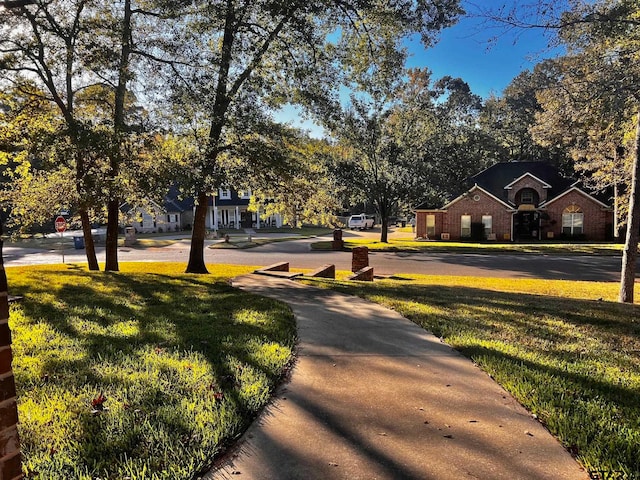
[{"x": 107, "y": 332}]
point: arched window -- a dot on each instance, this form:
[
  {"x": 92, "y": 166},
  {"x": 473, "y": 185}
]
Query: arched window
[{"x": 572, "y": 220}]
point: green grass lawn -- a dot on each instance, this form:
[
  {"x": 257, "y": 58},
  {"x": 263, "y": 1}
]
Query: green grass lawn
[
  {"x": 565, "y": 350},
  {"x": 185, "y": 362},
  {"x": 411, "y": 245}
]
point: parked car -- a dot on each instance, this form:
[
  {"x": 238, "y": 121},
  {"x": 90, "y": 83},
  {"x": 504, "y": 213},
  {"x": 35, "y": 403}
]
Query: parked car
[{"x": 361, "y": 222}]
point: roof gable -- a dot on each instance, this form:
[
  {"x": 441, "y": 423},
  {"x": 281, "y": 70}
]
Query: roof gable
[
  {"x": 471, "y": 190},
  {"x": 580, "y": 191},
  {"x": 503, "y": 175},
  {"x": 541, "y": 182}
]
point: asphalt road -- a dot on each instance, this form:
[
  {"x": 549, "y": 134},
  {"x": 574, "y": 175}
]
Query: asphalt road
[{"x": 299, "y": 254}]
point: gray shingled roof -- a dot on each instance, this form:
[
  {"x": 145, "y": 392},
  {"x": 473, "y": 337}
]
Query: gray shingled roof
[{"x": 498, "y": 176}]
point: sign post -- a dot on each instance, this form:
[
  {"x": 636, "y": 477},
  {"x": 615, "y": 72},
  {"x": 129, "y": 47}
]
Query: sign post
[{"x": 61, "y": 226}]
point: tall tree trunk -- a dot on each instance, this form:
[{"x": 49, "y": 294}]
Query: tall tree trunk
[
  {"x": 119, "y": 126},
  {"x": 89, "y": 247},
  {"x": 111, "y": 246},
  {"x": 196, "y": 253},
  {"x": 616, "y": 212},
  {"x": 630, "y": 253},
  {"x": 384, "y": 235}
]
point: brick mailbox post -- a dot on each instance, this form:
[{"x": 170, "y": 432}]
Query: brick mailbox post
[
  {"x": 10, "y": 458},
  {"x": 337, "y": 243},
  {"x": 360, "y": 258}
]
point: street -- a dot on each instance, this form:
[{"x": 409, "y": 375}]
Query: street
[{"x": 299, "y": 254}]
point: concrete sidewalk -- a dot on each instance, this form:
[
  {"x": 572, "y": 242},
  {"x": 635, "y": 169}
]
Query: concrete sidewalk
[{"x": 373, "y": 396}]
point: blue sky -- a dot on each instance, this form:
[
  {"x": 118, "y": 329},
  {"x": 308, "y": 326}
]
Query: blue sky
[
  {"x": 466, "y": 50},
  {"x": 486, "y": 57}
]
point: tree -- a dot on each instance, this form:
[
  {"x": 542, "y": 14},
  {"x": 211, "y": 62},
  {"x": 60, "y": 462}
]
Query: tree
[
  {"x": 255, "y": 55},
  {"x": 291, "y": 175},
  {"x": 602, "y": 40},
  {"x": 83, "y": 49},
  {"x": 457, "y": 147},
  {"x": 508, "y": 119},
  {"x": 376, "y": 162},
  {"x": 41, "y": 42},
  {"x": 592, "y": 128}
]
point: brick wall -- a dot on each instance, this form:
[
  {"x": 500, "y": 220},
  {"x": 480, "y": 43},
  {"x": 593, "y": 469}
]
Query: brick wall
[
  {"x": 421, "y": 223},
  {"x": 477, "y": 203},
  {"x": 527, "y": 182},
  {"x": 596, "y": 218},
  {"x": 10, "y": 458}
]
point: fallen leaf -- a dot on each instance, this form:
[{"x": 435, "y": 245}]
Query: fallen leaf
[{"x": 97, "y": 404}]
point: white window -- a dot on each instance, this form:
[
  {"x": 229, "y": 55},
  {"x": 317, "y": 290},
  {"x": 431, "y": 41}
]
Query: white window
[
  {"x": 147, "y": 221},
  {"x": 431, "y": 225},
  {"x": 526, "y": 197},
  {"x": 572, "y": 220},
  {"x": 224, "y": 194},
  {"x": 487, "y": 225},
  {"x": 465, "y": 226},
  {"x": 244, "y": 194}
]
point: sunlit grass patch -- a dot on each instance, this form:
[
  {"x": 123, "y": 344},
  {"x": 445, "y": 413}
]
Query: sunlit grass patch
[
  {"x": 566, "y": 350},
  {"x": 184, "y": 362}
]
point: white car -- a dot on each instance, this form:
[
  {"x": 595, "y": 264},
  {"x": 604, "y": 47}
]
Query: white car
[{"x": 361, "y": 221}]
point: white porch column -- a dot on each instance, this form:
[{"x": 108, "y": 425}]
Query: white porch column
[
  {"x": 237, "y": 224},
  {"x": 258, "y": 218},
  {"x": 215, "y": 217},
  {"x": 513, "y": 215}
]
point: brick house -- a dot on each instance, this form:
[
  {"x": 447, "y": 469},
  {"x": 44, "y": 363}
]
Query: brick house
[{"x": 519, "y": 201}]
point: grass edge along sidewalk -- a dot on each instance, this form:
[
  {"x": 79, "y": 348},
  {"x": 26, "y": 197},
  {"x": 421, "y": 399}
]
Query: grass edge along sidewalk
[
  {"x": 147, "y": 373},
  {"x": 566, "y": 350}
]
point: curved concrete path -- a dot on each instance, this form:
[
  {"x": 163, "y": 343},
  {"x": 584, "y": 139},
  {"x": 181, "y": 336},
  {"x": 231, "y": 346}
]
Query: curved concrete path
[{"x": 373, "y": 396}]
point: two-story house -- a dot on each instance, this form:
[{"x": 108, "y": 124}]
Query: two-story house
[{"x": 229, "y": 209}]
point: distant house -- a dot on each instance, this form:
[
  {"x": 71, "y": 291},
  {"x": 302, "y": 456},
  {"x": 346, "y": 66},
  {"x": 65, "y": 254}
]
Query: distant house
[
  {"x": 230, "y": 209},
  {"x": 173, "y": 215},
  {"x": 227, "y": 209},
  {"x": 519, "y": 201}
]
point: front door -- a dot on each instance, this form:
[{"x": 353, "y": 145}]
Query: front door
[
  {"x": 245, "y": 219},
  {"x": 527, "y": 225}
]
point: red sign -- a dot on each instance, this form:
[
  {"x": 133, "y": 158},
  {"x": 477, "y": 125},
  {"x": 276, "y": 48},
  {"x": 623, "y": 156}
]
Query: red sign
[{"x": 61, "y": 224}]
